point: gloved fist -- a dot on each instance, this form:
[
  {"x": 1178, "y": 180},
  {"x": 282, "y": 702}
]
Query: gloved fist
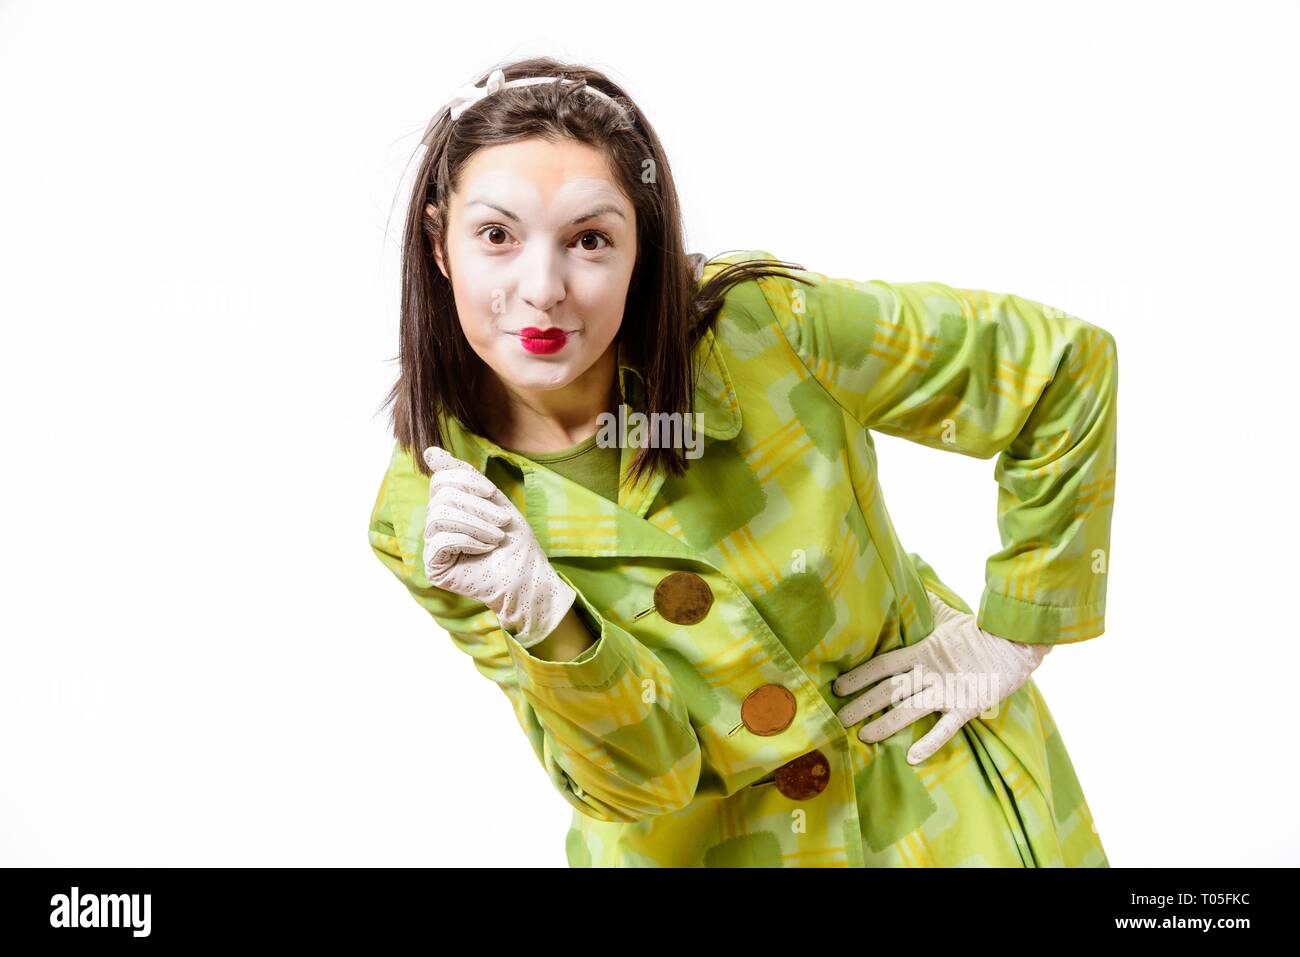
[
  {"x": 477, "y": 544},
  {"x": 959, "y": 669}
]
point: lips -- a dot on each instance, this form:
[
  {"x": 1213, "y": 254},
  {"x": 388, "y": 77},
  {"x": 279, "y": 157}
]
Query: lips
[{"x": 542, "y": 340}]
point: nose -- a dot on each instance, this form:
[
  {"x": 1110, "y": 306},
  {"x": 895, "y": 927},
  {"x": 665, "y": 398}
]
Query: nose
[{"x": 541, "y": 277}]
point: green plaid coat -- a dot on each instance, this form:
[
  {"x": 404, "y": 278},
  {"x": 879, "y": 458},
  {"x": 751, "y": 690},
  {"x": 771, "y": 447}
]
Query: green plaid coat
[{"x": 783, "y": 519}]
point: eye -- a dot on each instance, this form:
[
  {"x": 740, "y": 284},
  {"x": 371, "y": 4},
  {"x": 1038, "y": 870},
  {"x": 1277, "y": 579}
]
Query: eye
[
  {"x": 494, "y": 228},
  {"x": 595, "y": 234}
]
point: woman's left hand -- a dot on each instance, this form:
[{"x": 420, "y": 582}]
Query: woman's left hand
[{"x": 958, "y": 669}]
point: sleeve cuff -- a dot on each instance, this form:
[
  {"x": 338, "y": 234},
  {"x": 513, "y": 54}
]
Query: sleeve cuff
[
  {"x": 1033, "y": 624},
  {"x": 597, "y": 666}
]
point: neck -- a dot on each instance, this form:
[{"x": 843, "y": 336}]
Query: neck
[{"x": 537, "y": 420}]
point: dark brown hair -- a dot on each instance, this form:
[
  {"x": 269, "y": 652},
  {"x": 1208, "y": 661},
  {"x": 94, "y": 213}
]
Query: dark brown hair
[{"x": 440, "y": 374}]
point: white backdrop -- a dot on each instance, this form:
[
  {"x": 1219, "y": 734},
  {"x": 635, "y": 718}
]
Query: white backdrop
[{"x": 202, "y": 661}]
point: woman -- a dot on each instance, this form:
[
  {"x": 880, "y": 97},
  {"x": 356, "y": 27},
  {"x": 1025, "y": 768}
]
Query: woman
[{"x": 717, "y": 646}]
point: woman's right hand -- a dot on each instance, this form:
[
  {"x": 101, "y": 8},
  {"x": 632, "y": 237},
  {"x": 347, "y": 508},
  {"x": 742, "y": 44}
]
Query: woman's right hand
[{"x": 477, "y": 544}]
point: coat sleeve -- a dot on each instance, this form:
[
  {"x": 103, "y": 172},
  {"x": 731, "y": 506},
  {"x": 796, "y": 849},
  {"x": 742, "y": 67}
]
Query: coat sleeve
[
  {"x": 608, "y": 730},
  {"x": 983, "y": 374}
]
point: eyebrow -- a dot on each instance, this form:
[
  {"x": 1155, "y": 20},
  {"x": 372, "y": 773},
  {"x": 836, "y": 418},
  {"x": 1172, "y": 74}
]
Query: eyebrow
[{"x": 590, "y": 214}]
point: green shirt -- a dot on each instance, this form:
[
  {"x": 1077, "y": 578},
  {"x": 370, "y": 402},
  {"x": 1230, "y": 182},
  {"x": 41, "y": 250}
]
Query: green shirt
[{"x": 586, "y": 463}]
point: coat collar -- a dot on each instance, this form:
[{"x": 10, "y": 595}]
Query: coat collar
[{"x": 715, "y": 399}]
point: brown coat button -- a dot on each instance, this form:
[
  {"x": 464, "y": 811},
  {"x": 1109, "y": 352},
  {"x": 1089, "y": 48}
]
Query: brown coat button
[
  {"x": 683, "y": 598},
  {"x": 805, "y": 777},
  {"x": 768, "y": 709}
]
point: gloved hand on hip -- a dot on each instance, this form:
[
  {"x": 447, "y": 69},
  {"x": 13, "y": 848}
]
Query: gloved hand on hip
[
  {"x": 959, "y": 669},
  {"x": 477, "y": 544}
]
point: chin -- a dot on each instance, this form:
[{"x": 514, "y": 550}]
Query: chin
[{"x": 545, "y": 376}]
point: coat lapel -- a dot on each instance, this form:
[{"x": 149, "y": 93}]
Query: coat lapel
[{"x": 569, "y": 519}]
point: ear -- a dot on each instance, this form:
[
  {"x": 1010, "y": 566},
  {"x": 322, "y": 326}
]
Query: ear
[{"x": 435, "y": 221}]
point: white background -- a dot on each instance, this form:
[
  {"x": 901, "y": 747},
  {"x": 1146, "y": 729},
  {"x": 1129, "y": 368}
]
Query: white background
[{"x": 204, "y": 664}]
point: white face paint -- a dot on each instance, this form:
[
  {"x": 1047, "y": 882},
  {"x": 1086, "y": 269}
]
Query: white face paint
[{"x": 542, "y": 241}]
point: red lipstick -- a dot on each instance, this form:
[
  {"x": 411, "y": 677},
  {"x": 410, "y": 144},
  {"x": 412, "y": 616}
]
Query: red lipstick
[{"x": 544, "y": 341}]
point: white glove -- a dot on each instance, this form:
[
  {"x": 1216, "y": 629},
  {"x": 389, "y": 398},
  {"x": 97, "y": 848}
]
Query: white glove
[
  {"x": 959, "y": 669},
  {"x": 477, "y": 544}
]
